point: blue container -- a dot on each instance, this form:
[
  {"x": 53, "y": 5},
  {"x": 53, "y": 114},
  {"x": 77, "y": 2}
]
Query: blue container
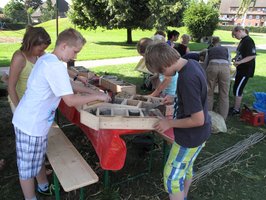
[{"x": 260, "y": 103}]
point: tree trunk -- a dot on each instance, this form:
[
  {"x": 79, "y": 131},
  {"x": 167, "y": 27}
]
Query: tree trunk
[
  {"x": 129, "y": 36},
  {"x": 29, "y": 19}
]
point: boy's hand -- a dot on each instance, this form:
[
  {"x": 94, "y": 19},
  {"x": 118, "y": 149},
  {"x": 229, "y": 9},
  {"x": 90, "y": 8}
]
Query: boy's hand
[
  {"x": 83, "y": 79},
  {"x": 168, "y": 100},
  {"x": 104, "y": 97},
  {"x": 162, "y": 126}
]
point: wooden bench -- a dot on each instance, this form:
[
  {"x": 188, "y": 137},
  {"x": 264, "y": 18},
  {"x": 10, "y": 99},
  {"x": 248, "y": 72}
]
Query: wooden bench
[{"x": 69, "y": 167}]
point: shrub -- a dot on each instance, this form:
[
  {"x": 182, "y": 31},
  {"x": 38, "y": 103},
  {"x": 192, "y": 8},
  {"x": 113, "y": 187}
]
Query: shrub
[
  {"x": 201, "y": 20},
  {"x": 254, "y": 29}
]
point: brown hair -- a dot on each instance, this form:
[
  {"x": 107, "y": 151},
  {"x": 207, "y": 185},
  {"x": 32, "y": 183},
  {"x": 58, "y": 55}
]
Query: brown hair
[
  {"x": 215, "y": 40},
  {"x": 142, "y": 44},
  {"x": 71, "y": 37},
  {"x": 160, "y": 55},
  {"x": 239, "y": 28},
  {"x": 160, "y": 32},
  {"x": 34, "y": 36}
]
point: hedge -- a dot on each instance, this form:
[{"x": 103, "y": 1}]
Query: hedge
[{"x": 254, "y": 29}]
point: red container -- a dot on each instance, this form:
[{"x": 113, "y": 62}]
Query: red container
[{"x": 252, "y": 117}]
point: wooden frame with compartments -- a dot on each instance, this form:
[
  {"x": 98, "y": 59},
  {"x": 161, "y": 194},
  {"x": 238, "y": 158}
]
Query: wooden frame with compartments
[
  {"x": 116, "y": 85},
  {"x": 114, "y": 116}
]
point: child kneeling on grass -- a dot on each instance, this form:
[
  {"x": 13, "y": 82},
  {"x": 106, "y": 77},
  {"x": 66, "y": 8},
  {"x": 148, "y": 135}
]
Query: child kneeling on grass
[
  {"x": 191, "y": 122},
  {"x": 34, "y": 115}
]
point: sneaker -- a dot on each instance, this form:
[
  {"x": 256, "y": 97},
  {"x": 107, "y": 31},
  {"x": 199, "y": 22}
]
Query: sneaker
[
  {"x": 49, "y": 192},
  {"x": 233, "y": 111}
]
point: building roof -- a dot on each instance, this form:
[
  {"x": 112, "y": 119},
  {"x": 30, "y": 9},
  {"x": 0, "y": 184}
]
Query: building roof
[
  {"x": 62, "y": 8},
  {"x": 227, "y": 4}
]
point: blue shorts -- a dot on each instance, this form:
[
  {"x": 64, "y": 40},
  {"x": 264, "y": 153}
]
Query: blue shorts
[
  {"x": 30, "y": 154},
  {"x": 179, "y": 167}
]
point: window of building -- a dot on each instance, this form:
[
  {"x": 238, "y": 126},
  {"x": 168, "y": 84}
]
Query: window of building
[
  {"x": 258, "y": 9},
  {"x": 250, "y": 17},
  {"x": 256, "y": 24},
  {"x": 257, "y": 17}
]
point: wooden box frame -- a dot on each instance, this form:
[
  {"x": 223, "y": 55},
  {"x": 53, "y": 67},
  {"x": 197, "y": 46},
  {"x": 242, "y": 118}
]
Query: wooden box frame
[
  {"x": 119, "y": 117},
  {"x": 116, "y": 85}
]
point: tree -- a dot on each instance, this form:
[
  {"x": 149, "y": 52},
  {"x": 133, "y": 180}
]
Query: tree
[
  {"x": 48, "y": 12},
  {"x": 201, "y": 20},
  {"x": 242, "y": 11},
  {"x": 30, "y": 6},
  {"x": 15, "y": 11},
  {"x": 129, "y": 14},
  {"x": 214, "y": 3}
]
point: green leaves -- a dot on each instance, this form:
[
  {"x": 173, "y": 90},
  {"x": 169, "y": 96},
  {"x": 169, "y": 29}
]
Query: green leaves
[{"x": 201, "y": 20}]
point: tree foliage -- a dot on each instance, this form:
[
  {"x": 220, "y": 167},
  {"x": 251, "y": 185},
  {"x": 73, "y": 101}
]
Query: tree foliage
[
  {"x": 214, "y": 3},
  {"x": 129, "y": 14},
  {"x": 48, "y": 12},
  {"x": 201, "y": 20},
  {"x": 15, "y": 10},
  {"x": 20, "y": 10},
  {"x": 245, "y": 4}
]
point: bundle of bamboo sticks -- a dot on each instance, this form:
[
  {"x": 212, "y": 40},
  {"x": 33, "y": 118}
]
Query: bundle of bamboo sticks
[{"x": 218, "y": 160}]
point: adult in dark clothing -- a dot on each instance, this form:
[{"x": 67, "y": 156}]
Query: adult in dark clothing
[
  {"x": 217, "y": 62},
  {"x": 244, "y": 61}
]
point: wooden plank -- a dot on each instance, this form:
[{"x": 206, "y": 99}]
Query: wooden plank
[
  {"x": 72, "y": 170},
  {"x": 117, "y": 85},
  {"x": 89, "y": 119},
  {"x": 132, "y": 123}
]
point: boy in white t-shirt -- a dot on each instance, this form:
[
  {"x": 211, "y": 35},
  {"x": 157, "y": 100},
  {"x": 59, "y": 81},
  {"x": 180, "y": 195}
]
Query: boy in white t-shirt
[{"x": 34, "y": 115}]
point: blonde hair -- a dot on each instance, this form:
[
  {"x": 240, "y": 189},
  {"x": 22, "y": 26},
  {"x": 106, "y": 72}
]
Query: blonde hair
[
  {"x": 34, "y": 36},
  {"x": 71, "y": 37},
  {"x": 142, "y": 44},
  {"x": 160, "y": 55},
  {"x": 185, "y": 38}
]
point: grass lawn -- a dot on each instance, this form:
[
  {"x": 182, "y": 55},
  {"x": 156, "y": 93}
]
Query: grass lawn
[{"x": 102, "y": 43}]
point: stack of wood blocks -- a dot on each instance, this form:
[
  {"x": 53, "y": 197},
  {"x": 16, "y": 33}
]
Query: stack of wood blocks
[{"x": 116, "y": 85}]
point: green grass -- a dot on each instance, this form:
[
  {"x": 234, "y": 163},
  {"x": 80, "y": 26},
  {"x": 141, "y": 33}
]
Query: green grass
[{"x": 102, "y": 43}]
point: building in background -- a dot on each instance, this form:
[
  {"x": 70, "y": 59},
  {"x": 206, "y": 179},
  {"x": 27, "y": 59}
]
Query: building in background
[
  {"x": 255, "y": 16},
  {"x": 62, "y": 10}
]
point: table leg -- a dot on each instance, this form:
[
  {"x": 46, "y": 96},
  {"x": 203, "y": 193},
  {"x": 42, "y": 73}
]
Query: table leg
[
  {"x": 166, "y": 150},
  {"x": 81, "y": 195},
  {"x": 106, "y": 179},
  {"x": 56, "y": 184}
]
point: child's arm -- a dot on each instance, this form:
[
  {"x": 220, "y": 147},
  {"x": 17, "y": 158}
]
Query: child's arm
[
  {"x": 82, "y": 89},
  {"x": 17, "y": 64},
  {"x": 166, "y": 81},
  {"x": 195, "y": 120},
  {"x": 244, "y": 60},
  {"x": 77, "y": 100}
]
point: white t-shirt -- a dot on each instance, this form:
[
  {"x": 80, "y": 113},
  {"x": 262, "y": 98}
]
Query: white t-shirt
[{"x": 47, "y": 83}]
